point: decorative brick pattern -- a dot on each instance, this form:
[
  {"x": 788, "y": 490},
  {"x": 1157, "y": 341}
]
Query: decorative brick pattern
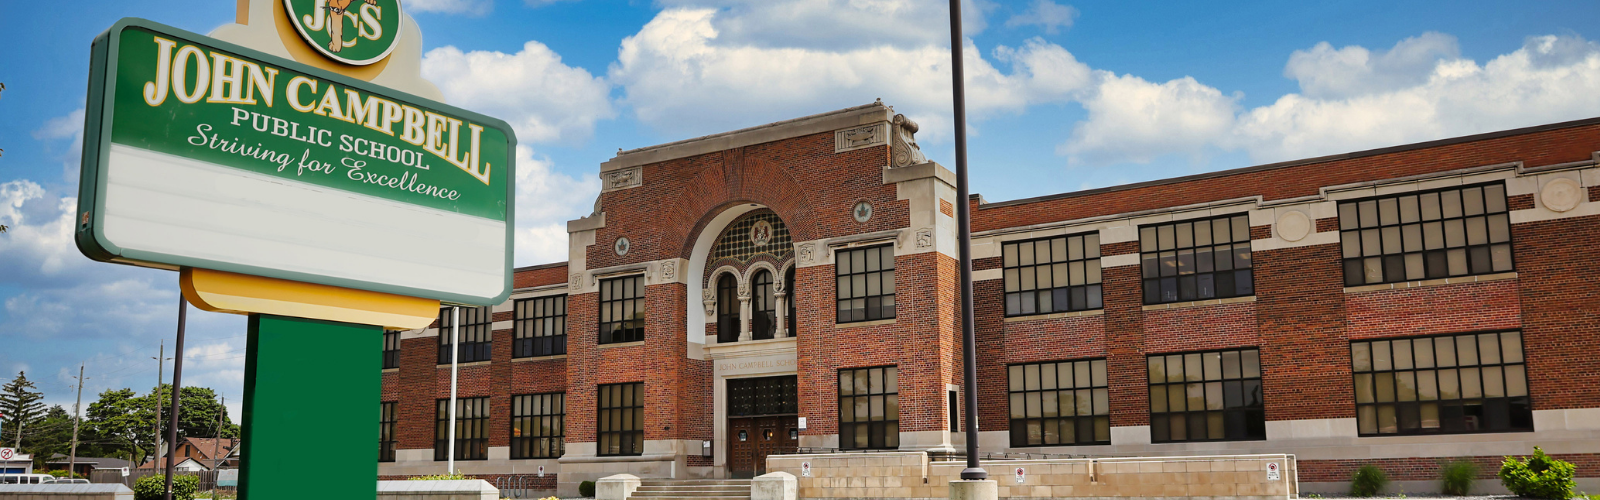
[{"x": 1461, "y": 307}]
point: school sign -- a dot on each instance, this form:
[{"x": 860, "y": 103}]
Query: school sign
[{"x": 202, "y": 154}]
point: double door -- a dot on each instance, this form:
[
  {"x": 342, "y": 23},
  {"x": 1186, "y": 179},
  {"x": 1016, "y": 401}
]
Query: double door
[{"x": 752, "y": 439}]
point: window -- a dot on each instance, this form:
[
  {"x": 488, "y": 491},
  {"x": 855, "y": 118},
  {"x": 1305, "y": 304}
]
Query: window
[
  {"x": 386, "y": 438},
  {"x": 866, "y": 283},
  {"x": 391, "y": 350},
  {"x": 954, "y": 404},
  {"x": 763, "y": 396},
  {"x": 1052, "y": 275},
  {"x": 472, "y": 426},
  {"x": 1449, "y": 384},
  {"x": 1065, "y": 403},
  {"x": 537, "y": 424},
  {"x": 621, "y": 419},
  {"x": 788, "y": 284},
  {"x": 476, "y": 329},
  {"x": 1436, "y": 234},
  {"x": 622, "y": 310},
  {"x": 541, "y": 327},
  {"x": 869, "y": 408},
  {"x": 763, "y": 307},
  {"x": 1196, "y": 260},
  {"x": 1206, "y": 396},
  {"x": 727, "y": 309}
]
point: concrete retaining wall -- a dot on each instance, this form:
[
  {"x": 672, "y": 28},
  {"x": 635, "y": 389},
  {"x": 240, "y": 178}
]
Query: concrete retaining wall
[
  {"x": 65, "y": 492},
  {"x": 471, "y": 489}
]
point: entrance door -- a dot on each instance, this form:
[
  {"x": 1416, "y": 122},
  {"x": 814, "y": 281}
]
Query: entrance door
[{"x": 762, "y": 420}]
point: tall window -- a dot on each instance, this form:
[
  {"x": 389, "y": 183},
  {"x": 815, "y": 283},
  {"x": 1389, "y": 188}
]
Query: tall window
[
  {"x": 1196, "y": 260},
  {"x": 477, "y": 329},
  {"x": 1065, "y": 403},
  {"x": 1052, "y": 274},
  {"x": 386, "y": 438},
  {"x": 869, "y": 408},
  {"x": 391, "y": 350},
  {"x": 866, "y": 283},
  {"x": 472, "y": 429},
  {"x": 763, "y": 307},
  {"x": 788, "y": 285},
  {"x": 537, "y": 425},
  {"x": 541, "y": 327},
  {"x": 1449, "y": 384},
  {"x": 622, "y": 310},
  {"x": 621, "y": 419},
  {"x": 1206, "y": 396},
  {"x": 1436, "y": 234},
  {"x": 727, "y": 309}
]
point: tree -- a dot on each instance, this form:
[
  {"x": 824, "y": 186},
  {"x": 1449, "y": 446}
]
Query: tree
[
  {"x": 125, "y": 420},
  {"x": 20, "y": 402}
]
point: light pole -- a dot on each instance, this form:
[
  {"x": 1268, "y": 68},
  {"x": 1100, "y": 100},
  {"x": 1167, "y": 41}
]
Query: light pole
[{"x": 969, "y": 351}]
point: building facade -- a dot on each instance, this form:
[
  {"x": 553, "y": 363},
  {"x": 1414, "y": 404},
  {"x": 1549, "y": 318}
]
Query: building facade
[{"x": 794, "y": 286}]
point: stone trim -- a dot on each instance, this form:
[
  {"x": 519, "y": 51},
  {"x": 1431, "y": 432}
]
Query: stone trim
[
  {"x": 1200, "y": 303},
  {"x": 1435, "y": 282},
  {"x": 539, "y": 358},
  {"x": 464, "y": 365},
  {"x": 1042, "y": 317},
  {"x": 617, "y": 180},
  {"x": 619, "y": 344},
  {"x": 861, "y": 137},
  {"x": 860, "y": 324}
]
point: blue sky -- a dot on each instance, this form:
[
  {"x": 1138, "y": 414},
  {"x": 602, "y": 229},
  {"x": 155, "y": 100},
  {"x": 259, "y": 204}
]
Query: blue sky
[{"x": 1063, "y": 96}]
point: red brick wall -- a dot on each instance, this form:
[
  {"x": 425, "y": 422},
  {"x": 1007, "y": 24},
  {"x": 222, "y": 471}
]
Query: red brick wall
[
  {"x": 1560, "y": 309},
  {"x": 1305, "y": 353},
  {"x": 1200, "y": 328},
  {"x": 1464, "y": 307}
]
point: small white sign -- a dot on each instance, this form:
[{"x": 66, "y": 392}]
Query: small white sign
[
  {"x": 124, "y": 472},
  {"x": 802, "y": 421},
  {"x": 1022, "y": 475},
  {"x": 1272, "y": 471},
  {"x": 541, "y": 471},
  {"x": 7, "y": 453},
  {"x": 805, "y": 469}
]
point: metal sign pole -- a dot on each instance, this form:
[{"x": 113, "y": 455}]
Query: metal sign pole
[
  {"x": 964, "y": 243},
  {"x": 455, "y": 353},
  {"x": 177, "y": 377}
]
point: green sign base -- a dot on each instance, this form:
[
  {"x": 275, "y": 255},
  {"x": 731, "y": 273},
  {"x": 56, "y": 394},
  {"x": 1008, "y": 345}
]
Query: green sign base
[{"x": 309, "y": 391}]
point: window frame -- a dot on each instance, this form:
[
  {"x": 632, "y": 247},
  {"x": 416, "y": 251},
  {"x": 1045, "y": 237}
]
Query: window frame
[
  {"x": 476, "y": 424},
  {"x": 728, "y": 326},
  {"x": 477, "y": 337},
  {"x": 788, "y": 301},
  {"x": 632, "y": 434},
  {"x": 523, "y": 412},
  {"x": 1150, "y": 260},
  {"x": 527, "y": 323},
  {"x": 763, "y": 306},
  {"x": 1254, "y": 416},
  {"x": 885, "y": 430},
  {"x": 1012, "y": 279},
  {"x": 388, "y": 419},
  {"x": 1093, "y": 426},
  {"x": 1505, "y": 386},
  {"x": 626, "y": 303},
  {"x": 1396, "y": 261},
  {"x": 845, "y": 284},
  {"x": 391, "y": 349}
]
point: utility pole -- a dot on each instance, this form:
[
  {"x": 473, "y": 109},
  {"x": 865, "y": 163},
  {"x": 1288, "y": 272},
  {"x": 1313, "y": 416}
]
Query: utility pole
[
  {"x": 155, "y": 446},
  {"x": 969, "y": 352},
  {"x": 177, "y": 390},
  {"x": 77, "y": 417},
  {"x": 216, "y": 445}
]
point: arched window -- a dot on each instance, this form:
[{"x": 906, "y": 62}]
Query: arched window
[
  {"x": 788, "y": 285},
  {"x": 727, "y": 309},
  {"x": 763, "y": 308}
]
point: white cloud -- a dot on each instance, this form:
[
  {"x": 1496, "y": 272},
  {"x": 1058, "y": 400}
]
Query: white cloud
[
  {"x": 546, "y": 199},
  {"x": 837, "y": 24},
  {"x": 64, "y": 127},
  {"x": 1325, "y": 72},
  {"x": 1134, "y": 120},
  {"x": 679, "y": 76},
  {"x": 1045, "y": 14},
  {"x": 468, "y": 7},
  {"x": 543, "y": 99}
]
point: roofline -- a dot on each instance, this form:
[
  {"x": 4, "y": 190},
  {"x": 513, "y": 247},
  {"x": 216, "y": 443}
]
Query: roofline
[
  {"x": 874, "y": 112},
  {"x": 537, "y": 267},
  {"x": 1295, "y": 163}
]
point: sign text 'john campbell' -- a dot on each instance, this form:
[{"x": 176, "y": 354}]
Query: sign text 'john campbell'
[{"x": 203, "y": 154}]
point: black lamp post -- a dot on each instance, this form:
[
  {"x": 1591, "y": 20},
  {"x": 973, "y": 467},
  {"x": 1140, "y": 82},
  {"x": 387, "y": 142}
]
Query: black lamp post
[{"x": 969, "y": 351}]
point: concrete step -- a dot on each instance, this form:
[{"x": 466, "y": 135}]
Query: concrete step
[
  {"x": 672, "y": 489},
  {"x": 694, "y": 493},
  {"x": 691, "y": 482},
  {"x": 637, "y": 496}
]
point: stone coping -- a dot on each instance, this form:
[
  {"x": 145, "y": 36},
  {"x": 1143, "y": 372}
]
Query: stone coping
[
  {"x": 66, "y": 489},
  {"x": 451, "y": 486}
]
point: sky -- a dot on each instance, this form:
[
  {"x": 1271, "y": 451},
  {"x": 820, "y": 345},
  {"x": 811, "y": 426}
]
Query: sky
[{"x": 1062, "y": 96}]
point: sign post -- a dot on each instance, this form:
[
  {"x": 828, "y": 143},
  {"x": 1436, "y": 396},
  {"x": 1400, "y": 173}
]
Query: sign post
[{"x": 325, "y": 207}]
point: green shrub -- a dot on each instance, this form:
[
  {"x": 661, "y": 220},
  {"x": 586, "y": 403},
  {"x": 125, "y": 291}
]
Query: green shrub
[
  {"x": 1456, "y": 477},
  {"x": 586, "y": 488},
  {"x": 66, "y": 474},
  {"x": 1538, "y": 477},
  {"x": 1368, "y": 481},
  {"x": 441, "y": 477},
  {"x": 152, "y": 487}
]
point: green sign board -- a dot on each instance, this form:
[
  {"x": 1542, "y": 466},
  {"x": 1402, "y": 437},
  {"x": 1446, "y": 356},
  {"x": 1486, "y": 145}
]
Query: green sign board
[
  {"x": 357, "y": 32},
  {"x": 200, "y": 153}
]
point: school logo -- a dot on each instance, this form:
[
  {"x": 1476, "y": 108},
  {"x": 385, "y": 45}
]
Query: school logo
[{"x": 355, "y": 32}]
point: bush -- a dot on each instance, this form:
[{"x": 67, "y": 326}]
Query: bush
[
  {"x": 1538, "y": 477},
  {"x": 1456, "y": 477},
  {"x": 65, "y": 474},
  {"x": 153, "y": 487},
  {"x": 441, "y": 477},
  {"x": 586, "y": 488},
  {"x": 1368, "y": 481}
]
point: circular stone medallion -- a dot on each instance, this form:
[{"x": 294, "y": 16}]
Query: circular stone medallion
[
  {"x": 1561, "y": 194},
  {"x": 1293, "y": 225},
  {"x": 354, "y": 32},
  {"x": 622, "y": 246},
  {"x": 761, "y": 233},
  {"x": 863, "y": 212}
]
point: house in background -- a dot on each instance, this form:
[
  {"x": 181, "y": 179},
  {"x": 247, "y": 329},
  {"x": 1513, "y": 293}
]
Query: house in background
[
  {"x": 17, "y": 464},
  {"x": 84, "y": 465},
  {"x": 197, "y": 454}
]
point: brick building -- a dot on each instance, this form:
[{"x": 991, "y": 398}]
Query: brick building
[{"x": 794, "y": 286}]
